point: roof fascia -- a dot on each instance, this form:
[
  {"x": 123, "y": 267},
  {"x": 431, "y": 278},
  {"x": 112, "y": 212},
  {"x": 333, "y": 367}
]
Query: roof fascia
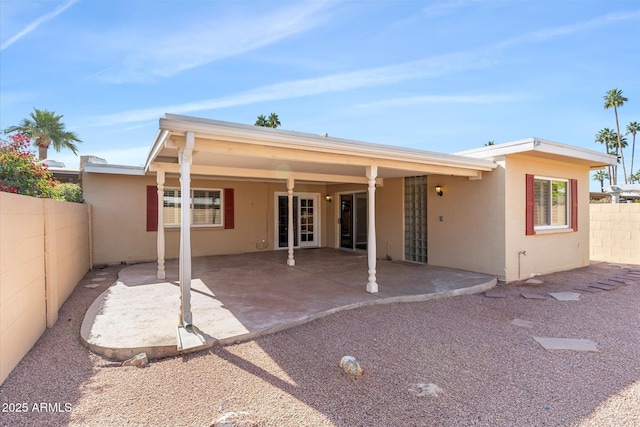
[
  {"x": 523, "y": 146},
  {"x": 115, "y": 169},
  {"x": 208, "y": 129}
]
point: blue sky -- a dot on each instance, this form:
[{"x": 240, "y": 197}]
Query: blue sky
[{"x": 437, "y": 75}]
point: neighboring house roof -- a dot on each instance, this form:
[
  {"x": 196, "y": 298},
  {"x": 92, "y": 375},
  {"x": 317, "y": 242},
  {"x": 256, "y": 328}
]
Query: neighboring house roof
[
  {"x": 543, "y": 148},
  {"x": 232, "y": 149}
]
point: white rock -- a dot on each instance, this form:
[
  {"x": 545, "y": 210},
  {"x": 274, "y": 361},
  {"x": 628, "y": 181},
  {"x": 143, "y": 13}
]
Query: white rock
[
  {"x": 139, "y": 360},
  {"x": 425, "y": 389},
  {"x": 234, "y": 419},
  {"x": 350, "y": 365}
]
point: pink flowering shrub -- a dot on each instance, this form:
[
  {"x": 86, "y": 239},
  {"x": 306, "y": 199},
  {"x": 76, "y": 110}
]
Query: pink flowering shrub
[{"x": 20, "y": 172}]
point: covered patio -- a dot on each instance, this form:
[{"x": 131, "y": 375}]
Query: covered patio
[{"x": 230, "y": 302}]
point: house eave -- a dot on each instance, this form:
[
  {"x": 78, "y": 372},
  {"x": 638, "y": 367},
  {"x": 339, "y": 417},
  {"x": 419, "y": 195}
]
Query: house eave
[{"x": 544, "y": 148}]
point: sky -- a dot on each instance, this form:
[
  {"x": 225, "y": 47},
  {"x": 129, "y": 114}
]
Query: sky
[{"x": 441, "y": 76}]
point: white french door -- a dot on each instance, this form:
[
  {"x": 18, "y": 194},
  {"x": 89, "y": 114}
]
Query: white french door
[{"x": 306, "y": 220}]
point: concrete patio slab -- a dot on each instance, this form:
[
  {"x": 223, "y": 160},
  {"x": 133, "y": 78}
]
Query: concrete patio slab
[
  {"x": 565, "y": 296},
  {"x": 566, "y": 344},
  {"x": 240, "y": 297},
  {"x": 523, "y": 323},
  {"x": 530, "y": 295}
]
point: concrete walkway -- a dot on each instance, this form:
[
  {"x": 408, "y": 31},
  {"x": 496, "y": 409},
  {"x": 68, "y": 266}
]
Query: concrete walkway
[{"x": 240, "y": 297}]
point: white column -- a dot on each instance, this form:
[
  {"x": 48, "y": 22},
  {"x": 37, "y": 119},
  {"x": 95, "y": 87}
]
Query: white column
[
  {"x": 290, "y": 261},
  {"x": 185, "y": 158},
  {"x": 160, "y": 244},
  {"x": 372, "y": 172}
]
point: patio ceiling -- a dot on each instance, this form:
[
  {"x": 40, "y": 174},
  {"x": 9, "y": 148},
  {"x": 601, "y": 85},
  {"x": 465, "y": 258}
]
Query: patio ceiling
[{"x": 233, "y": 150}]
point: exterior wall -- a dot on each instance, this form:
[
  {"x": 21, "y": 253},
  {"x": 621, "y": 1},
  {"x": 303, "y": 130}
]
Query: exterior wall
[
  {"x": 465, "y": 227},
  {"x": 38, "y": 236},
  {"x": 390, "y": 219},
  {"x": 615, "y": 233},
  {"x": 119, "y": 218},
  {"x": 545, "y": 252}
]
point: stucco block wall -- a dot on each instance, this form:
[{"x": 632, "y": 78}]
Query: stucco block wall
[
  {"x": 615, "y": 233},
  {"x": 466, "y": 225},
  {"x": 545, "y": 252},
  {"x": 119, "y": 218},
  {"x": 44, "y": 252}
]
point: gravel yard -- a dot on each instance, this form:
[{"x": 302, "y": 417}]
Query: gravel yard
[{"x": 490, "y": 372}]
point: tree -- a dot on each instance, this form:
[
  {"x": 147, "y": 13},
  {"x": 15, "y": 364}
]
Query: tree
[
  {"x": 19, "y": 171},
  {"x": 489, "y": 143},
  {"x": 635, "y": 178},
  {"x": 607, "y": 137},
  {"x": 614, "y": 99},
  {"x": 269, "y": 122},
  {"x": 600, "y": 176},
  {"x": 44, "y": 129},
  {"x": 633, "y": 128}
]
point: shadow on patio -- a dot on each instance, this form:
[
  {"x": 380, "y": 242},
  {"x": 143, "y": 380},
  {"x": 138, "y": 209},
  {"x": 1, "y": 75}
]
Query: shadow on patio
[{"x": 240, "y": 297}]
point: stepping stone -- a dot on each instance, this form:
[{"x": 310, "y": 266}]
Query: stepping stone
[
  {"x": 566, "y": 344},
  {"x": 98, "y": 279},
  {"x": 534, "y": 282},
  {"x": 587, "y": 289},
  {"x": 529, "y": 295},
  {"x": 102, "y": 273},
  {"x": 617, "y": 281},
  {"x": 496, "y": 294},
  {"x": 565, "y": 296},
  {"x": 603, "y": 286},
  {"x": 92, "y": 286},
  {"x": 523, "y": 323}
]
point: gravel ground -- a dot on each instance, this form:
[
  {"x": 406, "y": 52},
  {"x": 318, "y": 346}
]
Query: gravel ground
[{"x": 490, "y": 372}]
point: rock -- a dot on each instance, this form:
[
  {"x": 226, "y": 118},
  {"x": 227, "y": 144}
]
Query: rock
[
  {"x": 350, "y": 365},
  {"x": 534, "y": 282},
  {"x": 425, "y": 389},
  {"x": 139, "y": 360},
  {"x": 235, "y": 419}
]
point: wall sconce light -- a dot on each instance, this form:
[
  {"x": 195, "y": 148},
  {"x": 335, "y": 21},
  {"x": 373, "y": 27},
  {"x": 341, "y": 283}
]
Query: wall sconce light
[
  {"x": 439, "y": 190},
  {"x": 328, "y": 198}
]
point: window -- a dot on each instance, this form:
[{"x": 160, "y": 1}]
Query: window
[
  {"x": 550, "y": 209},
  {"x": 206, "y": 207},
  {"x": 552, "y": 204}
]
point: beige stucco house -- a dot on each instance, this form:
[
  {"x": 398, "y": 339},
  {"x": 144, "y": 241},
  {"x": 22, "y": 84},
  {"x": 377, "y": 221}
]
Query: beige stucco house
[{"x": 510, "y": 210}]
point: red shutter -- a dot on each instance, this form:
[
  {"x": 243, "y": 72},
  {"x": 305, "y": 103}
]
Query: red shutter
[
  {"x": 529, "y": 205},
  {"x": 574, "y": 204},
  {"x": 229, "y": 221},
  {"x": 152, "y": 208}
]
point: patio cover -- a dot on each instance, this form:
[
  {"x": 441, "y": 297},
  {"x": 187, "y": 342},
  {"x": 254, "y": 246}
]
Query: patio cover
[{"x": 190, "y": 146}]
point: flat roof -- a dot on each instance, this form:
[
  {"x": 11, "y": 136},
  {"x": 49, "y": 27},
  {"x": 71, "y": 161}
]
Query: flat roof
[{"x": 543, "y": 148}]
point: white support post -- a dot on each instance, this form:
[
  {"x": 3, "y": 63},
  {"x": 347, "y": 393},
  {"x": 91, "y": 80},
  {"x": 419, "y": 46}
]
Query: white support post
[
  {"x": 185, "y": 156},
  {"x": 160, "y": 243},
  {"x": 372, "y": 172},
  {"x": 290, "y": 261}
]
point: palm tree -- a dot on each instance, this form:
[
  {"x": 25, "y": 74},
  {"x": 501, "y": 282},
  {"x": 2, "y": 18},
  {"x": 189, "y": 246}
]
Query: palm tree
[
  {"x": 614, "y": 99},
  {"x": 633, "y": 128},
  {"x": 601, "y": 176},
  {"x": 271, "y": 122},
  {"x": 489, "y": 143},
  {"x": 607, "y": 137},
  {"x": 274, "y": 121},
  {"x": 45, "y": 129}
]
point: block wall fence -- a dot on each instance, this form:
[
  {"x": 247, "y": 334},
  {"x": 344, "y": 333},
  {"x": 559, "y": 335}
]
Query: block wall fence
[
  {"x": 44, "y": 253},
  {"x": 615, "y": 233}
]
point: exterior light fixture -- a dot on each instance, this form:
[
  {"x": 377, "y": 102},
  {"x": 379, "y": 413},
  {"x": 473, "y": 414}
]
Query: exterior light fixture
[
  {"x": 328, "y": 198},
  {"x": 439, "y": 190}
]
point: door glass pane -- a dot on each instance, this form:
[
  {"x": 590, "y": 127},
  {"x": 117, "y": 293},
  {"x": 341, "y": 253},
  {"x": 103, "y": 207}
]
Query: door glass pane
[
  {"x": 346, "y": 221},
  {"x": 361, "y": 220},
  {"x": 283, "y": 221}
]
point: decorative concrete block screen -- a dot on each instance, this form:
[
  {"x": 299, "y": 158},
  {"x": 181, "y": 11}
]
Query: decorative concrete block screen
[
  {"x": 44, "y": 252},
  {"x": 615, "y": 233}
]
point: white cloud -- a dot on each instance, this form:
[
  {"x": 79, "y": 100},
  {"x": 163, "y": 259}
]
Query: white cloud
[
  {"x": 489, "y": 98},
  {"x": 421, "y": 69},
  {"x": 154, "y": 57},
  {"x": 35, "y": 24}
]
